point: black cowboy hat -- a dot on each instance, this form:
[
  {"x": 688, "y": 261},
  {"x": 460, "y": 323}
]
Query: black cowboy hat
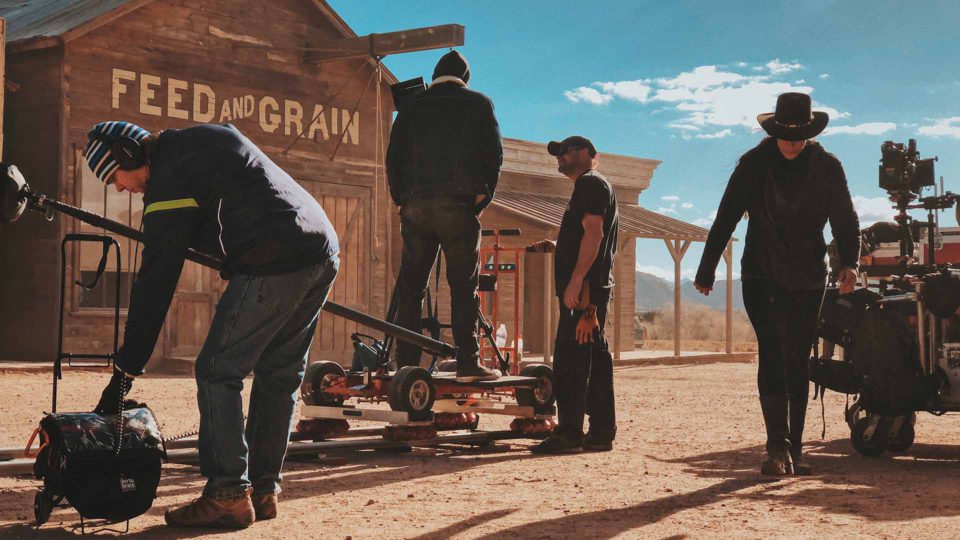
[{"x": 793, "y": 120}]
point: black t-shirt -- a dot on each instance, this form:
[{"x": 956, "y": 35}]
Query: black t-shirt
[{"x": 592, "y": 194}]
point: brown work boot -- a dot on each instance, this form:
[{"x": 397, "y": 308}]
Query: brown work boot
[
  {"x": 236, "y": 513},
  {"x": 265, "y": 506}
]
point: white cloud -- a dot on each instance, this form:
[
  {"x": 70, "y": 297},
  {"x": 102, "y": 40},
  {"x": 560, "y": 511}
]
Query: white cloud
[
  {"x": 588, "y": 95},
  {"x": 670, "y": 198},
  {"x": 665, "y": 210},
  {"x": 686, "y": 206},
  {"x": 700, "y": 78},
  {"x": 873, "y": 209},
  {"x": 726, "y": 105},
  {"x": 716, "y": 135},
  {"x": 868, "y": 128},
  {"x": 707, "y": 221},
  {"x": 944, "y": 127},
  {"x": 777, "y": 67},
  {"x": 638, "y": 91},
  {"x": 824, "y": 75},
  {"x": 710, "y": 99}
]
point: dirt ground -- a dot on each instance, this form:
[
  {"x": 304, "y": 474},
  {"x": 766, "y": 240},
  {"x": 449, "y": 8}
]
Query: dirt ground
[
  {"x": 696, "y": 345},
  {"x": 685, "y": 466}
]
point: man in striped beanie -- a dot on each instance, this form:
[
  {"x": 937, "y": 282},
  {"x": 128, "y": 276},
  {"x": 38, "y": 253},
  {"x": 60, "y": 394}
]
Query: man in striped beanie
[
  {"x": 210, "y": 188},
  {"x": 113, "y": 146}
]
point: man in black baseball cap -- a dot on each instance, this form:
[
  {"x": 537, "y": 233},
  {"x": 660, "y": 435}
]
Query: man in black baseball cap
[
  {"x": 583, "y": 272},
  {"x": 573, "y": 142}
]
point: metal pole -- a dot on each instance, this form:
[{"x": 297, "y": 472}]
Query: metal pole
[
  {"x": 191, "y": 455},
  {"x": 432, "y": 346}
]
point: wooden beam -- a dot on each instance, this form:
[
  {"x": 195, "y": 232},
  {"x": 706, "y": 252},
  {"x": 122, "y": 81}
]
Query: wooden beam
[
  {"x": 103, "y": 19},
  {"x": 379, "y": 45},
  {"x": 677, "y": 298},
  {"x": 3, "y": 76}
]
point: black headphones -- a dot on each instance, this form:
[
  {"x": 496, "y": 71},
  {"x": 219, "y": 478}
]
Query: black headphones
[{"x": 126, "y": 151}]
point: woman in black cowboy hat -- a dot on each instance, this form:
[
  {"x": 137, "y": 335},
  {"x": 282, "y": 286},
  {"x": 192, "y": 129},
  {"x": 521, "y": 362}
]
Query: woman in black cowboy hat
[{"x": 789, "y": 187}]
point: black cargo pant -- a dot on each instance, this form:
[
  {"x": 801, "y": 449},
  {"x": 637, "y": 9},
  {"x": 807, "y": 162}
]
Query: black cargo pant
[
  {"x": 583, "y": 375},
  {"x": 427, "y": 225},
  {"x": 785, "y": 323}
]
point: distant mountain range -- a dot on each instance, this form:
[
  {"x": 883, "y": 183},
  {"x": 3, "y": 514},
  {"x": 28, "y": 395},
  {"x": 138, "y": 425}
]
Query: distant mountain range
[{"x": 653, "y": 292}]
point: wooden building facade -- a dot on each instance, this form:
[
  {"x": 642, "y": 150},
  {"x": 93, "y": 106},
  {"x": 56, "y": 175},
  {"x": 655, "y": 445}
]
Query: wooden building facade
[{"x": 172, "y": 64}]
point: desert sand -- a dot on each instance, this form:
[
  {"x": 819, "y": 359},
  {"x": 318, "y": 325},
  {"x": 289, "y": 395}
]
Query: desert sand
[{"x": 685, "y": 465}]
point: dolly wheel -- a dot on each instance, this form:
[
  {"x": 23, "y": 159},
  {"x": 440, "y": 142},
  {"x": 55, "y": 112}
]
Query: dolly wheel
[
  {"x": 319, "y": 377},
  {"x": 876, "y": 444},
  {"x": 903, "y": 440},
  {"x": 412, "y": 391},
  {"x": 42, "y": 507},
  {"x": 541, "y": 396}
]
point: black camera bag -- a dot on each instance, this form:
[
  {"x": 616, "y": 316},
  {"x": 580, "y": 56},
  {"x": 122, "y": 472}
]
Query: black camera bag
[
  {"x": 837, "y": 375},
  {"x": 78, "y": 460}
]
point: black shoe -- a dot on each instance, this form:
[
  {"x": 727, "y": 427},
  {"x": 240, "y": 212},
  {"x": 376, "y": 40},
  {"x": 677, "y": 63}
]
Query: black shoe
[
  {"x": 592, "y": 443},
  {"x": 475, "y": 373},
  {"x": 557, "y": 444}
]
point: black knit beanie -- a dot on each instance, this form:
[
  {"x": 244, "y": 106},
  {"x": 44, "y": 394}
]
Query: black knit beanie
[{"x": 454, "y": 64}]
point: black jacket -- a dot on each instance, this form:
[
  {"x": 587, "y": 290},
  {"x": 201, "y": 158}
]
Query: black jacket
[
  {"x": 212, "y": 189},
  {"x": 784, "y": 237},
  {"x": 445, "y": 141}
]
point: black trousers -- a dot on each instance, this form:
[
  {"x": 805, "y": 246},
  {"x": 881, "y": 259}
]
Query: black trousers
[
  {"x": 583, "y": 375},
  {"x": 785, "y": 323},
  {"x": 428, "y": 225}
]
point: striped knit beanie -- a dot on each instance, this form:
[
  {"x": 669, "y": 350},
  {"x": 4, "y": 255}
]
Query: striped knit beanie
[{"x": 99, "y": 152}]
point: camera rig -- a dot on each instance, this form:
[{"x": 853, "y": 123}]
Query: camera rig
[{"x": 900, "y": 333}]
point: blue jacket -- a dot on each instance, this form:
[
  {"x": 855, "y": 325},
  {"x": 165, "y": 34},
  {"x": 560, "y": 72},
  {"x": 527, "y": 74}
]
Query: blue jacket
[{"x": 212, "y": 189}]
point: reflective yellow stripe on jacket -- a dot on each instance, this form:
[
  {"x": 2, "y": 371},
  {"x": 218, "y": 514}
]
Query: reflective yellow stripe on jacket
[{"x": 177, "y": 204}]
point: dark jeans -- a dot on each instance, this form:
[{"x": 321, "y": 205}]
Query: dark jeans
[
  {"x": 427, "y": 225},
  {"x": 263, "y": 324},
  {"x": 785, "y": 323},
  {"x": 583, "y": 376}
]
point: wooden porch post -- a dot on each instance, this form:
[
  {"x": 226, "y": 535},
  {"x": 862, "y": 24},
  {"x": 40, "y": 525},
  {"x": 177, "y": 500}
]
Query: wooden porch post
[
  {"x": 728, "y": 334},
  {"x": 617, "y": 301},
  {"x": 677, "y": 248},
  {"x": 547, "y": 308}
]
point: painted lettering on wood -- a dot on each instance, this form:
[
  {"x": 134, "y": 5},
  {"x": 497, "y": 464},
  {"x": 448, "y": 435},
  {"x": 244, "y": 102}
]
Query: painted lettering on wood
[{"x": 202, "y": 103}]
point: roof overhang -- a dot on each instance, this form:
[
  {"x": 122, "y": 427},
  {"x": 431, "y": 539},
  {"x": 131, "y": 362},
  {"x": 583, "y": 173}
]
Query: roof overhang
[{"x": 635, "y": 221}]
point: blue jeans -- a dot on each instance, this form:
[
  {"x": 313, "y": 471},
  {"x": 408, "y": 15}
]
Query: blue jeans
[{"x": 263, "y": 324}]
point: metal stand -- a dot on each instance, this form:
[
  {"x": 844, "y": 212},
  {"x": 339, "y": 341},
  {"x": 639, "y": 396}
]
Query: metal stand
[{"x": 106, "y": 242}]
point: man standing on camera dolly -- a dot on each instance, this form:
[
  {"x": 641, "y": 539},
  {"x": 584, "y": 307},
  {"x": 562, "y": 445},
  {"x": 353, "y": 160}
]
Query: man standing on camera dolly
[{"x": 443, "y": 164}]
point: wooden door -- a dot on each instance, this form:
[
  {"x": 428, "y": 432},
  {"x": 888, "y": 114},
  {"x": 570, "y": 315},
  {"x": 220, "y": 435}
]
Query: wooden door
[
  {"x": 349, "y": 209},
  {"x": 191, "y": 311}
]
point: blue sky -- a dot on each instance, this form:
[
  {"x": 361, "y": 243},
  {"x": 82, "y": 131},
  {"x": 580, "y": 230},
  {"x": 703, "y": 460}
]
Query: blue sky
[{"x": 682, "y": 82}]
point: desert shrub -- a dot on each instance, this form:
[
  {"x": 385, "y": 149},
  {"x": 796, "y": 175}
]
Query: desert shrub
[{"x": 698, "y": 322}]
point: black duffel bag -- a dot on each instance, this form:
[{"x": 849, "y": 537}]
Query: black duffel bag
[
  {"x": 837, "y": 375},
  {"x": 78, "y": 460}
]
